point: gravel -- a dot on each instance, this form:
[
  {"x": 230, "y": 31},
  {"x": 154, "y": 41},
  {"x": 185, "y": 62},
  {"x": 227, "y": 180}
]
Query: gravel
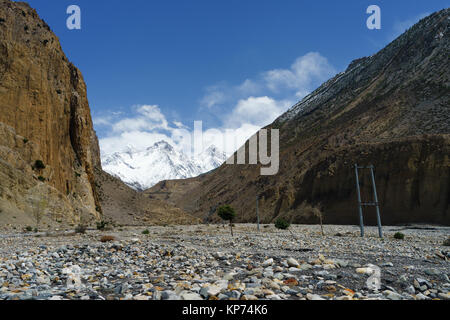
[{"x": 205, "y": 262}]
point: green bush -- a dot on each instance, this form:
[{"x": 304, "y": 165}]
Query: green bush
[
  {"x": 29, "y": 229},
  {"x": 146, "y": 232},
  {"x": 399, "y": 236},
  {"x": 25, "y": 141},
  {"x": 41, "y": 178},
  {"x": 38, "y": 164},
  {"x": 282, "y": 224}
]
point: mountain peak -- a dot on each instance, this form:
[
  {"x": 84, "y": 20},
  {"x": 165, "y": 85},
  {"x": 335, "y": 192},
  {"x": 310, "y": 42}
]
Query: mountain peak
[
  {"x": 161, "y": 161},
  {"x": 164, "y": 145}
]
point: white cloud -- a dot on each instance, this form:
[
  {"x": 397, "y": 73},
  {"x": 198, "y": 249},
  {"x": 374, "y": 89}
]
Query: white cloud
[
  {"x": 257, "y": 111},
  {"x": 149, "y": 118},
  {"x": 297, "y": 81},
  {"x": 249, "y": 87},
  {"x": 101, "y": 121},
  {"x": 301, "y": 76},
  {"x": 179, "y": 125},
  {"x": 213, "y": 97},
  {"x": 139, "y": 140},
  {"x": 145, "y": 127}
]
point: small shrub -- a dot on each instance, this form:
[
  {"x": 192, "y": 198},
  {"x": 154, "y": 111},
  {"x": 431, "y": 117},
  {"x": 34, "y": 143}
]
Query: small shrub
[
  {"x": 25, "y": 141},
  {"x": 282, "y": 224},
  {"x": 447, "y": 242},
  {"x": 102, "y": 225},
  {"x": 107, "y": 238},
  {"x": 41, "y": 178},
  {"x": 35, "y": 230},
  {"x": 39, "y": 164},
  {"x": 146, "y": 232},
  {"x": 29, "y": 229},
  {"x": 81, "y": 228},
  {"x": 399, "y": 236}
]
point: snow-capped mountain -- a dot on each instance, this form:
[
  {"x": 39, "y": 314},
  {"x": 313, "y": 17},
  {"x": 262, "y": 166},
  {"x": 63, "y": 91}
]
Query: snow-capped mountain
[{"x": 142, "y": 169}]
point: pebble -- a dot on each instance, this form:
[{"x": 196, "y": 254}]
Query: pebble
[
  {"x": 267, "y": 263},
  {"x": 188, "y": 265},
  {"x": 291, "y": 262}
]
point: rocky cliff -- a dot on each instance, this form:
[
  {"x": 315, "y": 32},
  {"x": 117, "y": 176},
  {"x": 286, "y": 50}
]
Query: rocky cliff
[
  {"x": 48, "y": 146},
  {"x": 391, "y": 110}
]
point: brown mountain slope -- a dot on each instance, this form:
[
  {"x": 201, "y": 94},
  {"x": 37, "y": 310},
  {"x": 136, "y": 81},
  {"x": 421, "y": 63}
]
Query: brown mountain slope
[
  {"x": 391, "y": 110},
  {"x": 43, "y": 100},
  {"x": 126, "y": 206}
]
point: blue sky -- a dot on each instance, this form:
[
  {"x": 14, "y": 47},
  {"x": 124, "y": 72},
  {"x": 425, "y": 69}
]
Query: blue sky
[{"x": 152, "y": 67}]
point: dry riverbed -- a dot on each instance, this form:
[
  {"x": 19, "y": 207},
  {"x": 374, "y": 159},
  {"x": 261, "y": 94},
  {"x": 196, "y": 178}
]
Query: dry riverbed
[{"x": 205, "y": 262}]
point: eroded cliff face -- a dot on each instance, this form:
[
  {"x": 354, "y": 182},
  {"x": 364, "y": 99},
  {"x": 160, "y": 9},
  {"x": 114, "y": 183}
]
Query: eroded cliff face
[
  {"x": 391, "y": 110},
  {"x": 43, "y": 103}
]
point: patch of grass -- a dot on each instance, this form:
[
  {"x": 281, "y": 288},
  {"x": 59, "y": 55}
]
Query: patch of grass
[
  {"x": 399, "y": 236},
  {"x": 282, "y": 224}
]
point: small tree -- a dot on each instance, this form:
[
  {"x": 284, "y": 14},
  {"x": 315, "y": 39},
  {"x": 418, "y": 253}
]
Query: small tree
[
  {"x": 282, "y": 224},
  {"x": 227, "y": 213}
]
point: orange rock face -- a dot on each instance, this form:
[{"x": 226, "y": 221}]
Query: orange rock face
[{"x": 43, "y": 98}]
